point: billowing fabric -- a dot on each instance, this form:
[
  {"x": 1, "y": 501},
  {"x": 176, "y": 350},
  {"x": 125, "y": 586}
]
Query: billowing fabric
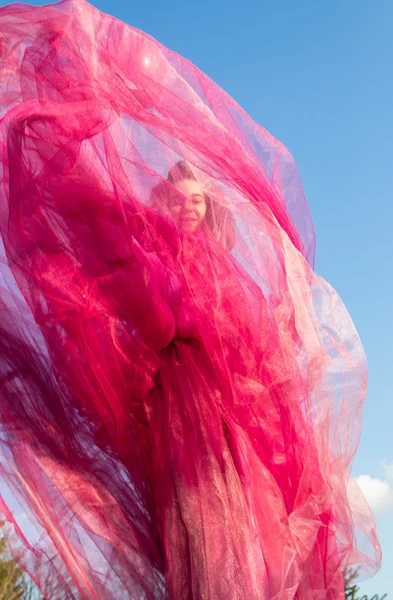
[{"x": 180, "y": 393}]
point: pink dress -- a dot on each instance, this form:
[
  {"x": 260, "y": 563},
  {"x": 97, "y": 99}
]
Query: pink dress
[{"x": 178, "y": 415}]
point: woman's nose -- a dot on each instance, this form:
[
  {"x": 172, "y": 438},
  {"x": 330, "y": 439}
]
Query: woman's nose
[{"x": 187, "y": 204}]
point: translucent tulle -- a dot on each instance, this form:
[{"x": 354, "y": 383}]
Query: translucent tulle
[{"x": 179, "y": 409}]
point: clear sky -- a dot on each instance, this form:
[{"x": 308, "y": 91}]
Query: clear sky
[{"x": 318, "y": 76}]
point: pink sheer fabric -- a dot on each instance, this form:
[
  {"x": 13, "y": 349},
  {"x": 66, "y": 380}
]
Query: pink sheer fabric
[{"x": 179, "y": 407}]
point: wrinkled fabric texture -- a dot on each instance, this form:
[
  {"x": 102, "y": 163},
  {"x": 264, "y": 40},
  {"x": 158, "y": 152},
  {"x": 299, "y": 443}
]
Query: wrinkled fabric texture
[{"x": 178, "y": 411}]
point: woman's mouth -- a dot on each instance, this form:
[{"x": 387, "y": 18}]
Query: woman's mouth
[{"x": 190, "y": 221}]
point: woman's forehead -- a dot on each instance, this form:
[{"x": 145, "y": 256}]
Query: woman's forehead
[{"x": 189, "y": 187}]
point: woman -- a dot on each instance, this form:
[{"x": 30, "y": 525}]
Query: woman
[
  {"x": 249, "y": 440},
  {"x": 177, "y": 396}
]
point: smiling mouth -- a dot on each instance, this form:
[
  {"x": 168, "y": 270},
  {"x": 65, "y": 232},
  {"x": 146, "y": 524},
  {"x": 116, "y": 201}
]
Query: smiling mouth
[
  {"x": 188, "y": 221},
  {"x": 189, "y": 225}
]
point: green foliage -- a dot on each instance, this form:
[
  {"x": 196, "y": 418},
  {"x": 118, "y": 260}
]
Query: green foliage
[
  {"x": 352, "y": 591},
  {"x": 12, "y": 579},
  {"x": 17, "y": 585},
  {"x": 14, "y": 583}
]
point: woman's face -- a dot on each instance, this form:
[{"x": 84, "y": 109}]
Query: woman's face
[{"x": 189, "y": 205}]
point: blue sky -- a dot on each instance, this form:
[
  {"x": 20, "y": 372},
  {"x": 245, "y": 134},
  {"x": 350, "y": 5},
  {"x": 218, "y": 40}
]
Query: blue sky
[{"x": 318, "y": 76}]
